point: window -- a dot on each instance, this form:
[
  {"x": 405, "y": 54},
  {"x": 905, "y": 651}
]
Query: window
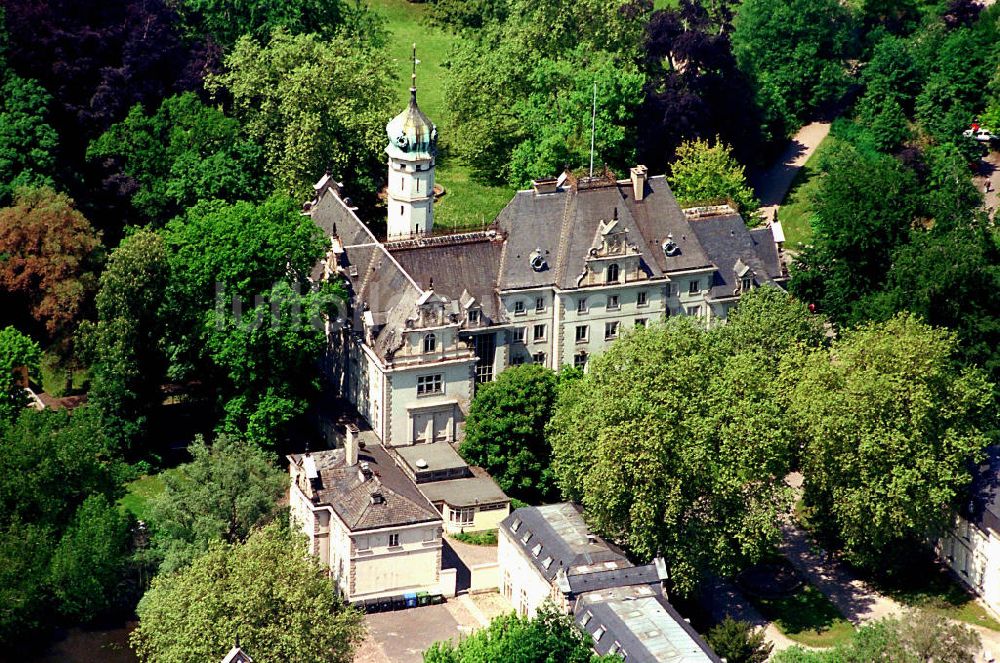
[
  {"x": 430, "y": 534},
  {"x": 669, "y": 291},
  {"x": 393, "y": 540},
  {"x": 536, "y": 550},
  {"x": 430, "y": 343},
  {"x": 486, "y": 350},
  {"x": 519, "y": 335},
  {"x": 517, "y": 360},
  {"x": 514, "y": 525},
  {"x": 526, "y": 538},
  {"x": 539, "y": 304},
  {"x": 694, "y": 310},
  {"x": 580, "y": 361},
  {"x": 430, "y": 384},
  {"x": 599, "y": 633},
  {"x": 463, "y": 515},
  {"x": 746, "y": 283},
  {"x": 538, "y": 334},
  {"x": 611, "y": 330},
  {"x": 612, "y": 275},
  {"x": 519, "y": 307},
  {"x": 547, "y": 562},
  {"x": 538, "y": 357},
  {"x": 581, "y": 305},
  {"x": 581, "y": 333},
  {"x": 693, "y": 288},
  {"x": 640, "y": 322},
  {"x": 640, "y": 298},
  {"x": 361, "y": 542},
  {"x": 613, "y": 304},
  {"x": 586, "y": 618},
  {"x": 400, "y": 210},
  {"x": 474, "y": 316}
]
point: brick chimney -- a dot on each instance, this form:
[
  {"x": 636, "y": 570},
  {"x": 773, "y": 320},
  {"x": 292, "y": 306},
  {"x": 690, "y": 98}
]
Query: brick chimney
[{"x": 639, "y": 174}]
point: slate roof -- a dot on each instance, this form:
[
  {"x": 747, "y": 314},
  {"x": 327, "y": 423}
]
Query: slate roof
[
  {"x": 566, "y": 540},
  {"x": 563, "y": 225},
  {"x": 986, "y": 493},
  {"x": 640, "y": 623},
  {"x": 480, "y": 488},
  {"x": 469, "y": 262},
  {"x": 349, "y": 492},
  {"x": 726, "y": 239}
]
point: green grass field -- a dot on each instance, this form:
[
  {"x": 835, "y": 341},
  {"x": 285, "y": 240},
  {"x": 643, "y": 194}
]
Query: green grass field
[
  {"x": 139, "y": 494},
  {"x": 466, "y": 203},
  {"x": 807, "y": 617}
]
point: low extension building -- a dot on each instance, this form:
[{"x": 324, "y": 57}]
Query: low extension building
[
  {"x": 366, "y": 521},
  {"x": 547, "y": 554}
]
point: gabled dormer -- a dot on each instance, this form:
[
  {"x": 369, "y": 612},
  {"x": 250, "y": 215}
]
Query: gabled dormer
[
  {"x": 613, "y": 257},
  {"x": 745, "y": 277}
]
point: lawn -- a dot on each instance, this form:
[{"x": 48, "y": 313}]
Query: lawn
[
  {"x": 797, "y": 208},
  {"x": 807, "y": 617},
  {"x": 139, "y": 494},
  {"x": 466, "y": 203},
  {"x": 54, "y": 377},
  {"x": 931, "y": 587}
]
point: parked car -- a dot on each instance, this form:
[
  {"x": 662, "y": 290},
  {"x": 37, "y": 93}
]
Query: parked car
[{"x": 982, "y": 135}]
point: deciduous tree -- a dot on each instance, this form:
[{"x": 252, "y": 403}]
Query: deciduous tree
[
  {"x": 891, "y": 424},
  {"x": 221, "y": 495},
  {"x": 267, "y": 590},
  {"x": 739, "y": 642},
  {"x": 505, "y": 431},
  {"x": 17, "y": 353},
  {"x": 47, "y": 256},
  {"x": 706, "y": 174},
  {"x": 313, "y": 105}
]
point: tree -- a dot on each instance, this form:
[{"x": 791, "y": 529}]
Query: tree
[
  {"x": 267, "y": 590},
  {"x": 520, "y": 95},
  {"x": 505, "y": 431},
  {"x": 739, "y": 642},
  {"x": 920, "y": 637},
  {"x": 17, "y": 352},
  {"x": 864, "y": 208},
  {"x": 124, "y": 347},
  {"x": 696, "y": 480},
  {"x": 184, "y": 153},
  {"x": 549, "y": 636},
  {"x": 48, "y": 251},
  {"x": 24, "y": 556},
  {"x": 890, "y": 424},
  {"x": 794, "y": 52},
  {"x": 312, "y": 105},
  {"x": 222, "y": 494},
  {"x": 87, "y": 566},
  {"x": 27, "y": 142},
  {"x": 706, "y": 174}
]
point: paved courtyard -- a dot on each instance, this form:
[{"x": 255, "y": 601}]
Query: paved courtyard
[{"x": 402, "y": 636}]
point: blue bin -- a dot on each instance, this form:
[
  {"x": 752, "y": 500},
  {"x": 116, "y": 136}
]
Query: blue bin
[{"x": 411, "y": 600}]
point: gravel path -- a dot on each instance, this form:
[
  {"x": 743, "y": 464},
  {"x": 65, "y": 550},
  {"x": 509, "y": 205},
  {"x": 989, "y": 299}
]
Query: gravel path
[{"x": 772, "y": 184}]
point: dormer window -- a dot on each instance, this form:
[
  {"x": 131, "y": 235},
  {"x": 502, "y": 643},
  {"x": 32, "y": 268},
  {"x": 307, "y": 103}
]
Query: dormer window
[
  {"x": 519, "y": 307},
  {"x": 474, "y": 316},
  {"x": 430, "y": 343},
  {"x": 612, "y": 274},
  {"x": 746, "y": 283}
]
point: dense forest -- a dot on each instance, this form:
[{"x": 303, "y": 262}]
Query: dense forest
[{"x": 155, "y": 155}]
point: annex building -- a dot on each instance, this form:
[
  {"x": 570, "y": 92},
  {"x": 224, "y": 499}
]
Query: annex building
[{"x": 565, "y": 269}]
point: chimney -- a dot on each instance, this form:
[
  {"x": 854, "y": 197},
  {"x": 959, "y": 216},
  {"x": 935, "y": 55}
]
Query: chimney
[
  {"x": 545, "y": 185},
  {"x": 639, "y": 181},
  {"x": 351, "y": 446}
]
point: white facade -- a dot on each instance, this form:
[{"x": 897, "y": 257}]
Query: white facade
[
  {"x": 973, "y": 553},
  {"x": 520, "y": 582}
]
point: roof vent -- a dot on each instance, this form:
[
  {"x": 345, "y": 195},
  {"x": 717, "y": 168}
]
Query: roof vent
[
  {"x": 670, "y": 247},
  {"x": 538, "y": 262},
  {"x": 378, "y": 498},
  {"x": 421, "y": 463}
]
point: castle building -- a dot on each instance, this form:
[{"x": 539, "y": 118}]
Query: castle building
[{"x": 565, "y": 269}]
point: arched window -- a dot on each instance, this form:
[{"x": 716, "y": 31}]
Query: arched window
[
  {"x": 430, "y": 343},
  {"x": 612, "y": 273}
]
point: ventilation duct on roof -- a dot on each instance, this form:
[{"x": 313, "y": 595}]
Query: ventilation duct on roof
[
  {"x": 670, "y": 247},
  {"x": 538, "y": 262}
]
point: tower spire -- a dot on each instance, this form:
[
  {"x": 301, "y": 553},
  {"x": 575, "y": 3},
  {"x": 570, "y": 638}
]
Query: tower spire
[{"x": 413, "y": 76}]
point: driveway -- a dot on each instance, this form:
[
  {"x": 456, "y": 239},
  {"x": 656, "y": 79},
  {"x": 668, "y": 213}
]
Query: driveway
[
  {"x": 989, "y": 171},
  {"x": 772, "y": 184},
  {"x": 402, "y": 636}
]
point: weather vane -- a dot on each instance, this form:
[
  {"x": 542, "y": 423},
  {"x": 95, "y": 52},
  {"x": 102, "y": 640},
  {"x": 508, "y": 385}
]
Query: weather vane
[{"x": 413, "y": 76}]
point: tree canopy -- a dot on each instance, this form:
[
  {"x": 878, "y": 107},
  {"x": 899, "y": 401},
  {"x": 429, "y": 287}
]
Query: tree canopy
[
  {"x": 49, "y": 252},
  {"x": 505, "y": 431},
  {"x": 890, "y": 424},
  {"x": 313, "y": 105},
  {"x": 17, "y": 352},
  {"x": 686, "y": 462},
  {"x": 267, "y": 590},
  {"x": 222, "y": 494},
  {"x": 707, "y": 174},
  {"x": 549, "y": 636}
]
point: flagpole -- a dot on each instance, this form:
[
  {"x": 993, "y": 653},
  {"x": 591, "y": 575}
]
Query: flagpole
[{"x": 593, "y": 126}]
